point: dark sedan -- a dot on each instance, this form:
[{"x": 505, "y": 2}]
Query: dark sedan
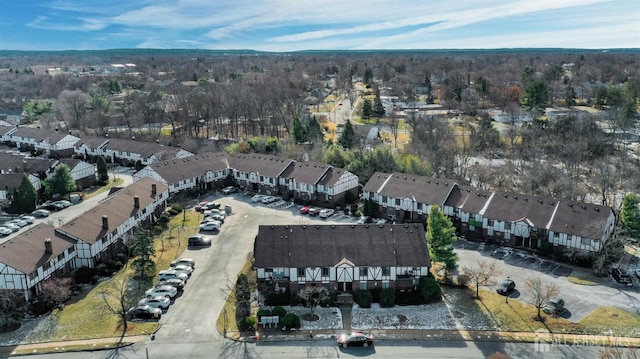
[
  {"x": 355, "y": 339},
  {"x": 506, "y": 287}
]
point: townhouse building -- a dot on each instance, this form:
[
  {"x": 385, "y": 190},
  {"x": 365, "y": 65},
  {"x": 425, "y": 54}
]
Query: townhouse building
[
  {"x": 507, "y": 218},
  {"x": 127, "y": 151},
  {"x": 51, "y": 143},
  {"x": 340, "y": 258}
]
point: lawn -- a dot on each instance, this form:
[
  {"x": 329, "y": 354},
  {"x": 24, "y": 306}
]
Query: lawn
[
  {"x": 88, "y": 316},
  {"x": 228, "y": 313},
  {"x": 91, "y": 192},
  {"x": 517, "y": 315}
]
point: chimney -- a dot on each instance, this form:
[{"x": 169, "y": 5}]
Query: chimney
[
  {"x": 105, "y": 221},
  {"x": 48, "y": 248},
  {"x": 153, "y": 188},
  {"x": 136, "y": 201}
]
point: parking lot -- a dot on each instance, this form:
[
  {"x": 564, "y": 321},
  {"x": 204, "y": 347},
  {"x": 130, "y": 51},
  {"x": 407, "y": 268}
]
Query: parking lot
[{"x": 520, "y": 266}]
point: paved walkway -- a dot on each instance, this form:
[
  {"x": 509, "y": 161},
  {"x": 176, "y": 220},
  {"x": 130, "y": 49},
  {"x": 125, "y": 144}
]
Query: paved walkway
[{"x": 71, "y": 345}]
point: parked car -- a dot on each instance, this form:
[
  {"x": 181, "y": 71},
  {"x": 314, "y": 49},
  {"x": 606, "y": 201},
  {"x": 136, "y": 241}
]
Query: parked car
[
  {"x": 229, "y": 190},
  {"x": 269, "y": 199},
  {"x": 210, "y": 226},
  {"x": 257, "y": 198},
  {"x": 173, "y": 282},
  {"x": 365, "y": 219},
  {"x": 216, "y": 217},
  {"x": 314, "y": 211},
  {"x": 27, "y": 218},
  {"x": 164, "y": 290},
  {"x": 305, "y": 209},
  {"x": 63, "y": 203},
  {"x": 210, "y": 205},
  {"x": 506, "y": 287},
  {"x": 555, "y": 306},
  {"x": 18, "y": 222},
  {"x": 211, "y": 212},
  {"x": 621, "y": 276},
  {"x": 187, "y": 261},
  {"x": 41, "y": 213},
  {"x": 171, "y": 273},
  {"x": 382, "y": 221},
  {"x": 199, "y": 241},
  {"x": 12, "y": 226},
  {"x": 183, "y": 268},
  {"x": 158, "y": 301},
  {"x": 326, "y": 213},
  {"x": 355, "y": 339},
  {"x": 144, "y": 312},
  {"x": 198, "y": 207},
  {"x": 52, "y": 206},
  {"x": 4, "y": 231}
]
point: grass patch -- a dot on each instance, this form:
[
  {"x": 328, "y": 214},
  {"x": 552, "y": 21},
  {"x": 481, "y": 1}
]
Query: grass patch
[
  {"x": 227, "y": 317},
  {"x": 92, "y": 192},
  {"x": 88, "y": 317},
  {"x": 609, "y": 319},
  {"x": 586, "y": 277}
]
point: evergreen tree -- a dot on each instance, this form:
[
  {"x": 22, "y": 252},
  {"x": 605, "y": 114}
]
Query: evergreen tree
[
  {"x": 336, "y": 156},
  {"x": 630, "y": 215},
  {"x": 440, "y": 237},
  {"x": 103, "y": 175},
  {"x": 142, "y": 248},
  {"x": 367, "y": 109},
  {"x": 368, "y": 76},
  {"x": 378, "y": 107},
  {"x": 536, "y": 96},
  {"x": 348, "y": 137},
  {"x": 300, "y": 134},
  {"x": 313, "y": 128},
  {"x": 23, "y": 198},
  {"x": 60, "y": 182}
]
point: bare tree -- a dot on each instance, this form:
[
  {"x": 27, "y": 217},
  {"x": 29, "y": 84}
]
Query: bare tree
[
  {"x": 482, "y": 275},
  {"x": 541, "y": 292},
  {"x": 119, "y": 295},
  {"x": 71, "y": 107},
  {"x": 10, "y": 303},
  {"x": 618, "y": 353},
  {"x": 313, "y": 296},
  {"x": 57, "y": 289}
]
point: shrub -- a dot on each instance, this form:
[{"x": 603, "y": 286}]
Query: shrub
[
  {"x": 176, "y": 207},
  {"x": 430, "y": 289},
  {"x": 248, "y": 323},
  {"x": 290, "y": 320},
  {"x": 157, "y": 229},
  {"x": 358, "y": 213},
  {"x": 364, "y": 298},
  {"x": 85, "y": 274},
  {"x": 387, "y": 297},
  {"x": 279, "y": 311},
  {"x": 263, "y": 312},
  {"x": 172, "y": 211},
  {"x": 163, "y": 220}
]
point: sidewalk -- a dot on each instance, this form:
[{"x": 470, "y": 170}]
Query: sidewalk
[{"x": 71, "y": 345}]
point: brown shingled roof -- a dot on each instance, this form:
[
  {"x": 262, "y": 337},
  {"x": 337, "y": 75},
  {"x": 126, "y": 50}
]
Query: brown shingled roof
[
  {"x": 263, "y": 165},
  {"x": 582, "y": 219},
  {"x": 326, "y": 245},
  {"x": 512, "y": 207},
  {"x": 174, "y": 171},
  {"x": 419, "y": 188},
  {"x": 306, "y": 172},
  {"x": 26, "y": 251},
  {"x": 468, "y": 199},
  {"x": 40, "y": 134},
  {"x": 118, "y": 208}
]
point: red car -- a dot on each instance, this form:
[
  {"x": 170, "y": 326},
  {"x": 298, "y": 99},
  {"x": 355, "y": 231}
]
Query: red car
[{"x": 304, "y": 210}]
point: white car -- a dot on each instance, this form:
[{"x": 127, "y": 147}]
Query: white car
[
  {"x": 18, "y": 222},
  {"x": 28, "y": 219},
  {"x": 4, "y": 231},
  {"x": 12, "y": 226},
  {"x": 185, "y": 261},
  {"x": 326, "y": 213},
  {"x": 211, "y": 212},
  {"x": 171, "y": 273},
  {"x": 184, "y": 268},
  {"x": 163, "y": 290},
  {"x": 229, "y": 190},
  {"x": 41, "y": 213},
  {"x": 210, "y": 226},
  {"x": 269, "y": 199},
  {"x": 157, "y": 301},
  {"x": 216, "y": 217},
  {"x": 257, "y": 198}
]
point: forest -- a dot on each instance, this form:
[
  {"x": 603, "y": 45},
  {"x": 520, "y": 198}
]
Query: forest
[{"x": 247, "y": 101}]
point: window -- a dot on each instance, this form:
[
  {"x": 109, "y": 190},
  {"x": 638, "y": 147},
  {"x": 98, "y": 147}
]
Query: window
[
  {"x": 46, "y": 265},
  {"x": 386, "y": 271},
  {"x": 364, "y": 271},
  {"x": 33, "y": 274},
  {"x": 507, "y": 226},
  {"x": 71, "y": 250},
  {"x": 301, "y": 272},
  {"x": 490, "y": 222},
  {"x": 385, "y": 284},
  {"x": 363, "y": 285},
  {"x": 325, "y": 272},
  {"x": 397, "y": 201},
  {"x": 61, "y": 257},
  {"x": 419, "y": 206}
]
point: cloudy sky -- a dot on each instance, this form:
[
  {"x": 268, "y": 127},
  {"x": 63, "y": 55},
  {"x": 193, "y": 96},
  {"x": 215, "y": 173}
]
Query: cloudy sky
[{"x": 292, "y": 25}]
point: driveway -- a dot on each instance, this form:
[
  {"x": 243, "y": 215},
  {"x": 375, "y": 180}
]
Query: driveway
[{"x": 520, "y": 266}]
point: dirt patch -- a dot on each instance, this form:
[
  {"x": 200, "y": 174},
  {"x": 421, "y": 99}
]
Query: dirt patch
[{"x": 310, "y": 317}]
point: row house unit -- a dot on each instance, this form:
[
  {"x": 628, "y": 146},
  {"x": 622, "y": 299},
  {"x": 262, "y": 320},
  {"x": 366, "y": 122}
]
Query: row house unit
[
  {"x": 33, "y": 256},
  {"x": 318, "y": 182},
  {"x": 507, "y": 218},
  {"x": 341, "y": 258},
  {"x": 127, "y": 151},
  {"x": 11, "y": 181},
  {"x": 259, "y": 173},
  {"x": 83, "y": 173},
  {"x": 51, "y": 143},
  {"x": 202, "y": 171},
  {"x": 107, "y": 228}
]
